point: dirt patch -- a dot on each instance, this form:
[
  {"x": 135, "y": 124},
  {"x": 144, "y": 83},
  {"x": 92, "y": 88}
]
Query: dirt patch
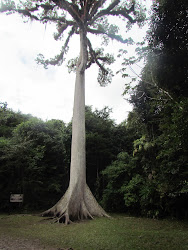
[{"x": 10, "y": 243}]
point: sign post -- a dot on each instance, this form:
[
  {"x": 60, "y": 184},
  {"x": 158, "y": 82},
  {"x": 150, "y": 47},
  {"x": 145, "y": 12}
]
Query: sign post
[{"x": 16, "y": 198}]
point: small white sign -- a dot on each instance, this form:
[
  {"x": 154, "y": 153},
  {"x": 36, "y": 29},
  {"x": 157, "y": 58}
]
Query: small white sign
[{"x": 16, "y": 198}]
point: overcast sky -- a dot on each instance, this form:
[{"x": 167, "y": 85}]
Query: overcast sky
[{"x": 48, "y": 94}]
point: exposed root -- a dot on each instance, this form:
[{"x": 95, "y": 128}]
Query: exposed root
[{"x": 74, "y": 206}]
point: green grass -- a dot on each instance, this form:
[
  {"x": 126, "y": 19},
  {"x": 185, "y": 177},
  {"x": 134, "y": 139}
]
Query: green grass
[{"x": 119, "y": 232}]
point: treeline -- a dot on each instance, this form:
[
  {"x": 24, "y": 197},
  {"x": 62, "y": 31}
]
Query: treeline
[
  {"x": 139, "y": 166},
  {"x": 35, "y": 155}
]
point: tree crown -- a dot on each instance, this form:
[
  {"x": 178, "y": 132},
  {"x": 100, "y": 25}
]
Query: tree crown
[{"x": 72, "y": 17}]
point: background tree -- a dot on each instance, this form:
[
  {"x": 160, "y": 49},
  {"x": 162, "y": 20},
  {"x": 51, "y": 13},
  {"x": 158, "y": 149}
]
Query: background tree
[
  {"x": 153, "y": 180},
  {"x": 9, "y": 120},
  {"x": 85, "y": 17},
  {"x": 34, "y": 162},
  {"x": 167, "y": 39},
  {"x": 104, "y": 141},
  {"x": 35, "y": 158}
]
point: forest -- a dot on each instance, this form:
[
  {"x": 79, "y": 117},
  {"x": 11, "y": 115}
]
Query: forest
[{"x": 138, "y": 167}]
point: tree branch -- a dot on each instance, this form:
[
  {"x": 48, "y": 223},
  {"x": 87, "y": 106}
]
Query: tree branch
[
  {"x": 96, "y": 5},
  {"x": 58, "y": 60},
  {"x": 94, "y": 58},
  {"x": 112, "y": 36},
  {"x": 46, "y": 7},
  {"x": 92, "y": 54},
  {"x": 61, "y": 28},
  {"x": 121, "y": 12},
  {"x": 113, "y": 5},
  {"x": 60, "y": 19},
  {"x": 71, "y": 8},
  {"x": 27, "y": 12}
]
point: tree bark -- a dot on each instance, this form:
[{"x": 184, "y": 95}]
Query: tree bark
[{"x": 78, "y": 201}]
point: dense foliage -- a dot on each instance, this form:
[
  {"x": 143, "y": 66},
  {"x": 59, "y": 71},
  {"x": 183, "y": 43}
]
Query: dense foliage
[
  {"x": 34, "y": 160},
  {"x": 152, "y": 180},
  {"x": 35, "y": 155},
  {"x": 168, "y": 46}
]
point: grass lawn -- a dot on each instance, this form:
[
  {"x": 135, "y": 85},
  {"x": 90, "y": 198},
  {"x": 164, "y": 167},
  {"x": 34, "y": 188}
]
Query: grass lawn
[{"x": 118, "y": 233}]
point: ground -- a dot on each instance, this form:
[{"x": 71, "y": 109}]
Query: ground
[
  {"x": 28, "y": 231},
  {"x": 10, "y": 243}
]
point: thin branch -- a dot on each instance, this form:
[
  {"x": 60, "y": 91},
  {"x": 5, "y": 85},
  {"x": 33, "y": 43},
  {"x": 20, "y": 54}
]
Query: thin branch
[
  {"x": 27, "y": 12},
  {"x": 134, "y": 72},
  {"x": 112, "y": 36},
  {"x": 46, "y": 7},
  {"x": 141, "y": 95},
  {"x": 61, "y": 28},
  {"x": 96, "y": 6},
  {"x": 154, "y": 83},
  {"x": 153, "y": 80},
  {"x": 75, "y": 13},
  {"x": 71, "y": 8},
  {"x": 92, "y": 54},
  {"x": 94, "y": 58},
  {"x": 113, "y": 5},
  {"x": 60, "y": 58},
  {"x": 58, "y": 19},
  {"x": 121, "y": 12},
  {"x": 125, "y": 14},
  {"x": 88, "y": 5}
]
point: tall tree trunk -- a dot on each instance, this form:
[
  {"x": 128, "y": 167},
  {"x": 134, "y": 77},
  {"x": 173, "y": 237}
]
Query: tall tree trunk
[
  {"x": 78, "y": 148},
  {"x": 78, "y": 201}
]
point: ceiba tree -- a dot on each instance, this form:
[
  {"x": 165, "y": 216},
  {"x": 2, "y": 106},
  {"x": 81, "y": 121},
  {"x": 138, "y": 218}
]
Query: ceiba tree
[{"x": 81, "y": 17}]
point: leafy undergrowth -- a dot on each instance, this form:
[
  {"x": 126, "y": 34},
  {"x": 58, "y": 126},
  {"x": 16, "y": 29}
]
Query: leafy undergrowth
[{"x": 119, "y": 232}]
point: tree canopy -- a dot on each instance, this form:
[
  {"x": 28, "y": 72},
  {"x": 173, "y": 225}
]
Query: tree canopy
[
  {"x": 168, "y": 46},
  {"x": 72, "y": 16}
]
